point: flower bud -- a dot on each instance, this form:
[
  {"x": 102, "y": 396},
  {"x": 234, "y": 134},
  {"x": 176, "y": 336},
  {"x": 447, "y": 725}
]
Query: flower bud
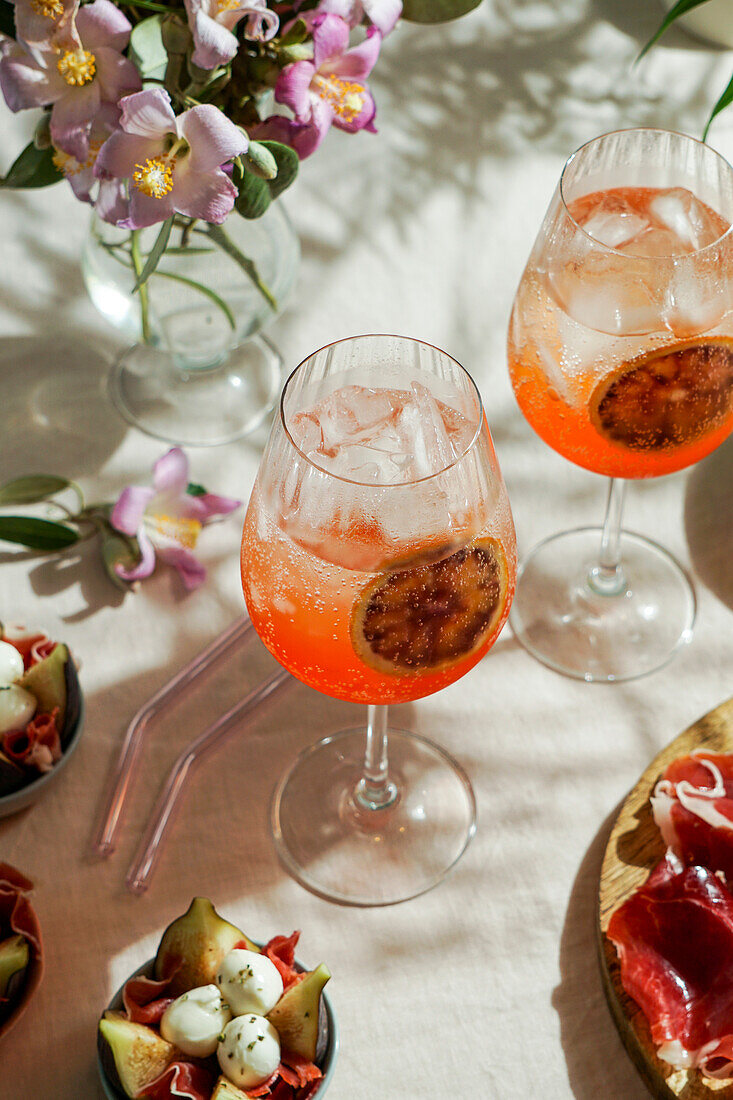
[
  {"x": 299, "y": 51},
  {"x": 42, "y": 136},
  {"x": 175, "y": 34},
  {"x": 260, "y": 161}
]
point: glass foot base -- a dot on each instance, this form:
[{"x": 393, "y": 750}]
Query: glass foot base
[
  {"x": 570, "y": 627},
  {"x": 353, "y": 855},
  {"x": 197, "y": 407}
]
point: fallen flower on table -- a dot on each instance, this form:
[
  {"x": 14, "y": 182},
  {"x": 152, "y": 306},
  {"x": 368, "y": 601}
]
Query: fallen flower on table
[
  {"x": 167, "y": 519},
  {"x": 162, "y": 521}
]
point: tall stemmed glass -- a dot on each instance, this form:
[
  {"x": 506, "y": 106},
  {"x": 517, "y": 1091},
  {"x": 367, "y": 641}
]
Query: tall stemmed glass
[
  {"x": 378, "y": 566},
  {"x": 621, "y": 358}
]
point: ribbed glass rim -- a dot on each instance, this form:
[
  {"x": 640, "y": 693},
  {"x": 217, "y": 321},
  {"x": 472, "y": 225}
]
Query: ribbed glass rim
[
  {"x": 370, "y": 484},
  {"x": 676, "y": 256}
]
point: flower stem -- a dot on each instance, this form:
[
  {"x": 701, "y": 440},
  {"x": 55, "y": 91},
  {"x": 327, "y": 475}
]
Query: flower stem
[
  {"x": 148, "y": 5},
  {"x": 137, "y": 263},
  {"x": 217, "y": 234}
]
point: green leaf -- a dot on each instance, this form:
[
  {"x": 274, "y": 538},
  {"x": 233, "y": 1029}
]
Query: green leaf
[
  {"x": 436, "y": 11},
  {"x": 155, "y": 254},
  {"x": 256, "y": 194},
  {"x": 36, "y": 534},
  {"x": 725, "y": 100},
  {"x": 7, "y": 19},
  {"x": 146, "y": 47},
  {"x": 202, "y": 290},
  {"x": 33, "y": 168},
  {"x": 195, "y": 490},
  {"x": 29, "y": 490},
  {"x": 680, "y": 8},
  {"x": 287, "y": 167},
  {"x": 297, "y": 34}
]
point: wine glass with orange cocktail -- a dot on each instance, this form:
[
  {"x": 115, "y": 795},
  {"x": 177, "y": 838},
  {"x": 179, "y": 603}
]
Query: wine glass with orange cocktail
[
  {"x": 378, "y": 566},
  {"x": 621, "y": 359}
]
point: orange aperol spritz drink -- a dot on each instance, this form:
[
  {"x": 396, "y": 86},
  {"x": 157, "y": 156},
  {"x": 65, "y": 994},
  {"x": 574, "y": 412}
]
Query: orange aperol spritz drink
[
  {"x": 620, "y": 368},
  {"x": 621, "y": 358},
  {"x": 378, "y": 566}
]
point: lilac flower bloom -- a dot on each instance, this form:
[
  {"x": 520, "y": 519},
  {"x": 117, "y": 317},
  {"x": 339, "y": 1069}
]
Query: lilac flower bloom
[
  {"x": 110, "y": 201},
  {"x": 330, "y": 89},
  {"x": 172, "y": 163},
  {"x": 77, "y": 78},
  {"x": 167, "y": 520},
  {"x": 383, "y": 14},
  {"x": 212, "y": 24},
  {"x": 44, "y": 22}
]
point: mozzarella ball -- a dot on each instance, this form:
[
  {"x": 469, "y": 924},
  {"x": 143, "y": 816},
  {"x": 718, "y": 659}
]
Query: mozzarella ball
[
  {"x": 11, "y": 663},
  {"x": 249, "y": 1052},
  {"x": 17, "y": 707},
  {"x": 195, "y": 1020},
  {"x": 249, "y": 982}
]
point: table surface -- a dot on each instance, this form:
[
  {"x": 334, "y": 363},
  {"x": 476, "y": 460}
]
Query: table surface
[{"x": 423, "y": 229}]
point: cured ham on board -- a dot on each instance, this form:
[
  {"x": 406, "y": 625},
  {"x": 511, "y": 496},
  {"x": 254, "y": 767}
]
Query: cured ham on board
[
  {"x": 693, "y": 808},
  {"x": 674, "y": 938}
]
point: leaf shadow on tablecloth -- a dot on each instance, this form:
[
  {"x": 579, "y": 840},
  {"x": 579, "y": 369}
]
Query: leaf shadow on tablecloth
[
  {"x": 598, "y": 1065},
  {"x": 709, "y": 521}
]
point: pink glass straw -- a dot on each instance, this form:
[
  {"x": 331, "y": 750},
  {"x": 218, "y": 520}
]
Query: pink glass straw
[
  {"x": 122, "y": 777},
  {"x": 144, "y": 863}
]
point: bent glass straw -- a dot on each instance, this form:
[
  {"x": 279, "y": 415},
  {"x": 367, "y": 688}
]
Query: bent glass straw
[
  {"x": 144, "y": 863},
  {"x": 121, "y": 780}
]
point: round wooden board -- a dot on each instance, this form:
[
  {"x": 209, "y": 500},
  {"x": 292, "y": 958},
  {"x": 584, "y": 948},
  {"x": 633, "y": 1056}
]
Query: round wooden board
[{"x": 633, "y": 848}]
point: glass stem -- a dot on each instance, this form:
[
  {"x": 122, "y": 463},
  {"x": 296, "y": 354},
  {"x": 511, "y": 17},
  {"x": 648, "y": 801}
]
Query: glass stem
[
  {"x": 375, "y": 790},
  {"x": 607, "y": 578}
]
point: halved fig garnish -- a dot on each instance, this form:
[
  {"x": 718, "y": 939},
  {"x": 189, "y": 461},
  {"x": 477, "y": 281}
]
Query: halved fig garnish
[
  {"x": 433, "y": 614},
  {"x": 666, "y": 398}
]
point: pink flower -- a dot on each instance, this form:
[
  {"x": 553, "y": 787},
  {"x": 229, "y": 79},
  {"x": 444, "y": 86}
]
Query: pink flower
[
  {"x": 111, "y": 202},
  {"x": 44, "y": 22},
  {"x": 383, "y": 14},
  {"x": 212, "y": 24},
  {"x": 167, "y": 520},
  {"x": 76, "y": 78},
  {"x": 172, "y": 163},
  {"x": 329, "y": 89}
]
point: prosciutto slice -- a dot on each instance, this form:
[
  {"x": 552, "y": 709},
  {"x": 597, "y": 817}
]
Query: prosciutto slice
[
  {"x": 693, "y": 808},
  {"x": 144, "y": 999},
  {"x": 674, "y": 938}
]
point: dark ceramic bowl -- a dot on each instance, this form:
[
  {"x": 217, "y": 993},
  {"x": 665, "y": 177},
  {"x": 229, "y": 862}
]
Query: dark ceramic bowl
[
  {"x": 28, "y": 794},
  {"x": 328, "y": 1041}
]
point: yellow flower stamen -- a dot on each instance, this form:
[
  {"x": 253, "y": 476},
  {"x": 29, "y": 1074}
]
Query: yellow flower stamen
[
  {"x": 77, "y": 67},
  {"x": 69, "y": 165},
  {"x": 154, "y": 177},
  {"x": 50, "y": 9},
  {"x": 182, "y": 530},
  {"x": 228, "y": 5},
  {"x": 346, "y": 97}
]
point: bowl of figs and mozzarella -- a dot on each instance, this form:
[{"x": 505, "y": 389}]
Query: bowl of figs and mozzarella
[
  {"x": 217, "y": 1016},
  {"x": 41, "y": 715}
]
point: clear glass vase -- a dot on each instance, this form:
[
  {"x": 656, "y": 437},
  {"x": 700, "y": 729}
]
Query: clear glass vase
[{"x": 199, "y": 372}]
